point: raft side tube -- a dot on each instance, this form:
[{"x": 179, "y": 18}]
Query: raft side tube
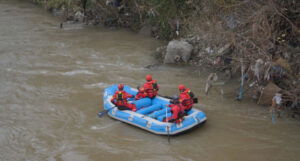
[
  {"x": 139, "y": 121},
  {"x": 160, "y": 128},
  {"x": 130, "y": 90}
]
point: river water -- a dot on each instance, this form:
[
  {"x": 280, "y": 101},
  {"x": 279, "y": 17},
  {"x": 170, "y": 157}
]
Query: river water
[{"x": 51, "y": 83}]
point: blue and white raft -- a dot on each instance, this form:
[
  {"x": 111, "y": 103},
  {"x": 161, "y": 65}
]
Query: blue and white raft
[{"x": 150, "y": 113}]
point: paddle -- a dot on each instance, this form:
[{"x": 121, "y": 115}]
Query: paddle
[
  {"x": 168, "y": 97},
  {"x": 195, "y": 100},
  {"x": 168, "y": 135},
  {"x": 168, "y": 130},
  {"x": 102, "y": 113}
]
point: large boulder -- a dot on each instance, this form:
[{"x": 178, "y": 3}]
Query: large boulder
[{"x": 178, "y": 51}]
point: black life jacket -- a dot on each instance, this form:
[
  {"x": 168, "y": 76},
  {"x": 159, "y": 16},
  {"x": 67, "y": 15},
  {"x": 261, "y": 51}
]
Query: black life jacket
[
  {"x": 120, "y": 96},
  {"x": 191, "y": 94},
  {"x": 195, "y": 99},
  {"x": 155, "y": 87}
]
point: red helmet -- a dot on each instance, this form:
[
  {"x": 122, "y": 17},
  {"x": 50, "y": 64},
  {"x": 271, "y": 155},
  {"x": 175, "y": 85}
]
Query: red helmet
[
  {"x": 181, "y": 87},
  {"x": 148, "y": 77},
  {"x": 120, "y": 86}
]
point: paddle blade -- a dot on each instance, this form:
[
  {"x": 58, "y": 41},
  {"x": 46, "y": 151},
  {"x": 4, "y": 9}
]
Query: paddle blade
[{"x": 102, "y": 113}]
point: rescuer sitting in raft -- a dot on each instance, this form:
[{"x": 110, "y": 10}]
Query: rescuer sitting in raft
[
  {"x": 120, "y": 99},
  {"x": 149, "y": 89},
  {"x": 186, "y": 98}
]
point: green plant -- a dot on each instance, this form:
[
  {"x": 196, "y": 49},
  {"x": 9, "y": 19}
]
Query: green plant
[{"x": 166, "y": 11}]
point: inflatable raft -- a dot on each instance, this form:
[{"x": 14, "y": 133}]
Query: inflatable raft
[{"x": 150, "y": 113}]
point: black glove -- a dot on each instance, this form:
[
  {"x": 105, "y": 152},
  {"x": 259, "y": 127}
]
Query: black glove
[
  {"x": 172, "y": 101},
  {"x": 172, "y": 120}
]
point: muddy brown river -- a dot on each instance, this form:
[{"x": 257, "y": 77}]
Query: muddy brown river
[{"x": 51, "y": 83}]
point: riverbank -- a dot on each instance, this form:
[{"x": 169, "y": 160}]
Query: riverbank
[{"x": 254, "y": 41}]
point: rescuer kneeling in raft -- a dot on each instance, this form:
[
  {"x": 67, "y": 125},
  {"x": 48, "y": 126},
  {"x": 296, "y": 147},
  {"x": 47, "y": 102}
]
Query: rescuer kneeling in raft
[{"x": 120, "y": 99}]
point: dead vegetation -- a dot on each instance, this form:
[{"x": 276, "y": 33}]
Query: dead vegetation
[
  {"x": 256, "y": 40},
  {"x": 266, "y": 50}
]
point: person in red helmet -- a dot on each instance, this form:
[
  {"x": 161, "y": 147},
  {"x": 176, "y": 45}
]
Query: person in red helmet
[
  {"x": 120, "y": 99},
  {"x": 186, "y": 98},
  {"x": 177, "y": 111},
  {"x": 149, "y": 89}
]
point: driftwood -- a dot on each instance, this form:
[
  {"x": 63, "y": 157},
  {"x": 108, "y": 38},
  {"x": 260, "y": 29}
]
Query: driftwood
[{"x": 211, "y": 82}]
